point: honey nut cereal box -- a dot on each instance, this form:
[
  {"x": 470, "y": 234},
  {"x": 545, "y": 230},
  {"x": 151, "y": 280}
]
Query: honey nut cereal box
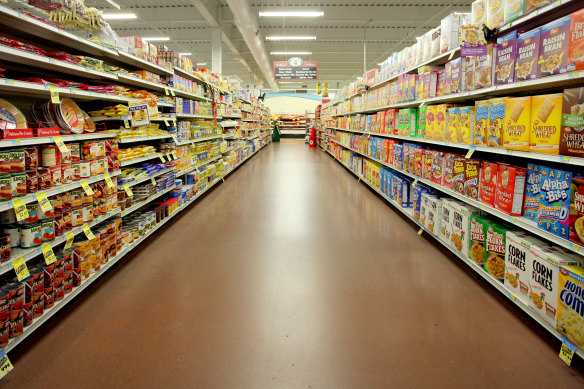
[
  {"x": 471, "y": 178},
  {"x": 572, "y": 135},
  {"x": 452, "y": 119},
  {"x": 488, "y": 183},
  {"x": 494, "y": 134},
  {"x": 544, "y": 281},
  {"x": 446, "y": 220},
  {"x": 505, "y": 58},
  {"x": 513, "y": 10},
  {"x": 553, "y": 47},
  {"x": 527, "y": 55},
  {"x": 576, "y": 51},
  {"x": 576, "y": 234},
  {"x": 546, "y": 123},
  {"x": 510, "y": 189},
  {"x": 532, "y": 191},
  {"x": 495, "y": 13},
  {"x": 495, "y": 245},
  {"x": 518, "y": 263},
  {"x": 478, "y": 233},
  {"x": 517, "y": 123},
  {"x": 570, "y": 315},
  {"x": 481, "y": 122},
  {"x": 461, "y": 226},
  {"x": 466, "y": 122},
  {"x": 458, "y": 174},
  {"x": 554, "y": 201}
]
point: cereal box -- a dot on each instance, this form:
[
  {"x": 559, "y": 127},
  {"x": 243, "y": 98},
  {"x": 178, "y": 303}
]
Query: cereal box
[
  {"x": 446, "y": 220},
  {"x": 481, "y": 122},
  {"x": 488, "y": 182},
  {"x": 430, "y": 121},
  {"x": 496, "y": 118},
  {"x": 517, "y": 123},
  {"x": 572, "y": 135},
  {"x": 449, "y": 30},
  {"x": 553, "y": 47},
  {"x": 447, "y": 77},
  {"x": 483, "y": 77},
  {"x": 576, "y": 51},
  {"x": 461, "y": 226},
  {"x": 495, "y": 244},
  {"x": 532, "y": 191},
  {"x": 437, "y": 167},
  {"x": 458, "y": 174},
  {"x": 471, "y": 178},
  {"x": 576, "y": 234},
  {"x": 423, "y": 209},
  {"x": 479, "y": 12},
  {"x": 544, "y": 282},
  {"x": 510, "y": 189},
  {"x": 455, "y": 76},
  {"x": 421, "y": 125},
  {"x": 478, "y": 234},
  {"x": 570, "y": 315},
  {"x": 427, "y": 159},
  {"x": 532, "y": 5},
  {"x": 466, "y": 121},
  {"x": 505, "y": 58},
  {"x": 417, "y": 192},
  {"x": 447, "y": 169},
  {"x": 554, "y": 201},
  {"x": 518, "y": 263},
  {"x": 513, "y": 10},
  {"x": 398, "y": 156},
  {"x": 546, "y": 123},
  {"x": 527, "y": 55},
  {"x": 469, "y": 69},
  {"x": 433, "y": 214},
  {"x": 452, "y": 120},
  {"x": 495, "y": 13},
  {"x": 440, "y": 128}
]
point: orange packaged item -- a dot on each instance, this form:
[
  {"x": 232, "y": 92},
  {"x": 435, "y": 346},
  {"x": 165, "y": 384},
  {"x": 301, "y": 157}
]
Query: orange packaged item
[
  {"x": 546, "y": 122},
  {"x": 488, "y": 185}
]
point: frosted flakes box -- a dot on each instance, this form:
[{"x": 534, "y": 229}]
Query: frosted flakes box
[
  {"x": 572, "y": 133},
  {"x": 481, "y": 122},
  {"x": 510, "y": 189},
  {"x": 513, "y": 10},
  {"x": 518, "y": 263},
  {"x": 527, "y": 55},
  {"x": 517, "y": 123},
  {"x": 546, "y": 123},
  {"x": 505, "y": 58},
  {"x": 532, "y": 191},
  {"x": 452, "y": 120},
  {"x": 497, "y": 110},
  {"x": 554, "y": 202},
  {"x": 576, "y": 51},
  {"x": 544, "y": 282},
  {"x": 488, "y": 182},
  {"x": 553, "y": 47},
  {"x": 570, "y": 317},
  {"x": 576, "y": 234},
  {"x": 466, "y": 122},
  {"x": 446, "y": 220},
  {"x": 458, "y": 174}
]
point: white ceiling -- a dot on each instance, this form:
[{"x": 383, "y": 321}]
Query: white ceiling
[{"x": 342, "y": 34}]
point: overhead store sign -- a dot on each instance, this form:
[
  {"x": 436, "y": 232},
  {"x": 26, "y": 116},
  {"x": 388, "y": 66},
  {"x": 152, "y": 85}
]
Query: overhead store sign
[{"x": 296, "y": 69}]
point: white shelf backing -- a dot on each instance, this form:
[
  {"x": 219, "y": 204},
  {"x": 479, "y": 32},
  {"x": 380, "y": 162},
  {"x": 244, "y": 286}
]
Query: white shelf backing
[
  {"x": 191, "y": 116},
  {"x": 138, "y": 160}
]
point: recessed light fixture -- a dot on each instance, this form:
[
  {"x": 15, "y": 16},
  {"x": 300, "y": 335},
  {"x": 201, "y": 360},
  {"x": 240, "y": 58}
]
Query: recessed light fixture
[
  {"x": 119, "y": 16},
  {"x": 113, "y": 3},
  {"x": 291, "y": 52},
  {"x": 156, "y": 38},
  {"x": 185, "y": 54},
  {"x": 290, "y": 38},
  {"x": 291, "y": 14}
]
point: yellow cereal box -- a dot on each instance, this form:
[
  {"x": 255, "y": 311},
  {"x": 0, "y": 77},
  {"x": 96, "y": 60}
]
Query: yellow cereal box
[
  {"x": 451, "y": 124},
  {"x": 517, "y": 123},
  {"x": 481, "y": 122},
  {"x": 440, "y": 129},
  {"x": 430, "y": 121},
  {"x": 466, "y": 121},
  {"x": 546, "y": 123},
  {"x": 571, "y": 304}
]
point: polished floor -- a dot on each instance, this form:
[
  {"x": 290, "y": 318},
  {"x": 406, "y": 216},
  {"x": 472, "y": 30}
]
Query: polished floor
[{"x": 290, "y": 274}]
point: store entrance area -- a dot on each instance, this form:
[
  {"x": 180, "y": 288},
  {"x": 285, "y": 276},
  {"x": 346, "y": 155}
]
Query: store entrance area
[{"x": 291, "y": 274}]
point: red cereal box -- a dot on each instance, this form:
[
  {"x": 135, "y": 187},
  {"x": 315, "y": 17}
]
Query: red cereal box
[
  {"x": 427, "y": 160},
  {"x": 438, "y": 167},
  {"x": 488, "y": 183},
  {"x": 576, "y": 49},
  {"x": 510, "y": 189},
  {"x": 447, "y": 174}
]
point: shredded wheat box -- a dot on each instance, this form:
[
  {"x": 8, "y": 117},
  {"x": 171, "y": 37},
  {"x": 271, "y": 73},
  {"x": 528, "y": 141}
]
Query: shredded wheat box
[{"x": 571, "y": 304}]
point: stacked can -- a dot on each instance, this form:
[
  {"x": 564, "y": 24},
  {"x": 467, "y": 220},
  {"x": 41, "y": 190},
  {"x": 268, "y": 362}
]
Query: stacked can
[
  {"x": 4, "y": 319},
  {"x": 37, "y": 286},
  {"x": 15, "y": 307},
  {"x": 49, "y": 290}
]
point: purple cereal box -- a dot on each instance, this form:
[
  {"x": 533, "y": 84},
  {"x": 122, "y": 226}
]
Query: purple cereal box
[
  {"x": 527, "y": 55},
  {"x": 553, "y": 47},
  {"x": 447, "y": 76},
  {"x": 505, "y": 58},
  {"x": 455, "y": 75}
]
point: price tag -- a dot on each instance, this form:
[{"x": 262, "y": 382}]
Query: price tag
[
  {"x": 128, "y": 190},
  {"x": 54, "y": 94},
  {"x": 108, "y": 180},
  {"x": 5, "y": 365},
  {"x": 44, "y": 202},
  {"x": 161, "y": 157},
  {"x": 166, "y": 91},
  {"x": 86, "y": 188},
  {"x": 165, "y": 121},
  {"x": 511, "y": 296},
  {"x": 48, "y": 254},
  {"x": 20, "y": 268},
  {"x": 420, "y": 231},
  {"x": 174, "y": 139},
  {"x": 60, "y": 144},
  {"x": 469, "y": 154},
  {"x": 87, "y": 232},
  {"x": 174, "y": 154},
  {"x": 69, "y": 237},
  {"x": 451, "y": 54},
  {"x": 153, "y": 181},
  {"x": 567, "y": 351},
  {"x": 575, "y": 246},
  {"x": 565, "y": 158},
  {"x": 20, "y": 209},
  {"x": 172, "y": 92},
  {"x": 415, "y": 182},
  {"x": 169, "y": 156},
  {"x": 174, "y": 122},
  {"x": 126, "y": 124}
]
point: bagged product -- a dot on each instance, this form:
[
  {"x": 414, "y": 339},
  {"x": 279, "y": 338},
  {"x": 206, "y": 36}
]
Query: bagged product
[
  {"x": 576, "y": 233},
  {"x": 449, "y": 30},
  {"x": 554, "y": 201},
  {"x": 510, "y": 189},
  {"x": 505, "y": 58},
  {"x": 481, "y": 122},
  {"x": 461, "y": 227},
  {"x": 553, "y": 47},
  {"x": 518, "y": 261},
  {"x": 527, "y": 55},
  {"x": 488, "y": 182},
  {"x": 513, "y": 10},
  {"x": 572, "y": 134},
  {"x": 576, "y": 50},
  {"x": 532, "y": 191},
  {"x": 532, "y": 5},
  {"x": 546, "y": 122},
  {"x": 570, "y": 316},
  {"x": 517, "y": 123}
]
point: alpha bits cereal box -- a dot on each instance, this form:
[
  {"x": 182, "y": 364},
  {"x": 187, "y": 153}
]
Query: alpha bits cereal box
[
  {"x": 518, "y": 263},
  {"x": 488, "y": 182},
  {"x": 532, "y": 191},
  {"x": 546, "y": 123},
  {"x": 553, "y": 47},
  {"x": 517, "y": 123},
  {"x": 527, "y": 55},
  {"x": 554, "y": 201},
  {"x": 510, "y": 189},
  {"x": 570, "y": 315},
  {"x": 572, "y": 135}
]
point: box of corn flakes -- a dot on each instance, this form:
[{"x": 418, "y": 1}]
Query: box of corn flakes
[
  {"x": 478, "y": 233},
  {"x": 461, "y": 227},
  {"x": 546, "y": 123},
  {"x": 481, "y": 122},
  {"x": 446, "y": 220},
  {"x": 466, "y": 122},
  {"x": 452, "y": 122},
  {"x": 517, "y": 123},
  {"x": 518, "y": 263},
  {"x": 495, "y": 247},
  {"x": 571, "y": 304}
]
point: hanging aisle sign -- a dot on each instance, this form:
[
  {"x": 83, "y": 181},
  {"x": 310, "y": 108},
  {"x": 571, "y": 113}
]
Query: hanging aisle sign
[{"x": 296, "y": 69}]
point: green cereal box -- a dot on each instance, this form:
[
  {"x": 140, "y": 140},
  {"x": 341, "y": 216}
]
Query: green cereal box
[{"x": 513, "y": 10}]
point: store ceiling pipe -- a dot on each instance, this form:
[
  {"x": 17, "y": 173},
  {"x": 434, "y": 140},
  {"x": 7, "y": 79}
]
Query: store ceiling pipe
[{"x": 246, "y": 23}]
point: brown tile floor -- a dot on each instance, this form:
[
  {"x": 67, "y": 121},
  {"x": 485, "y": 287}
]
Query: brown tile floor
[{"x": 290, "y": 275}]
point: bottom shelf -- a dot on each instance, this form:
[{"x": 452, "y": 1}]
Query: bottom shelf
[{"x": 479, "y": 270}]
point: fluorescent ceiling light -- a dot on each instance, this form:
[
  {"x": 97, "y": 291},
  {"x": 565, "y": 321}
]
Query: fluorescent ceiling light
[
  {"x": 156, "y": 38},
  {"x": 113, "y": 3},
  {"x": 291, "y": 52},
  {"x": 119, "y": 16},
  {"x": 201, "y": 63},
  {"x": 290, "y": 38},
  {"x": 291, "y": 82},
  {"x": 185, "y": 54},
  {"x": 292, "y": 14}
]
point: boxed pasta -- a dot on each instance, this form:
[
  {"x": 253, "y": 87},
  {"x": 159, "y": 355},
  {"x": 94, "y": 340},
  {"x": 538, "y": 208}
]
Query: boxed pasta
[
  {"x": 553, "y": 47},
  {"x": 447, "y": 169},
  {"x": 478, "y": 234},
  {"x": 495, "y": 13},
  {"x": 518, "y": 263},
  {"x": 510, "y": 189},
  {"x": 570, "y": 315},
  {"x": 532, "y": 191},
  {"x": 546, "y": 123},
  {"x": 446, "y": 220},
  {"x": 461, "y": 227},
  {"x": 527, "y": 55},
  {"x": 576, "y": 233},
  {"x": 488, "y": 183},
  {"x": 554, "y": 201},
  {"x": 572, "y": 134},
  {"x": 505, "y": 58},
  {"x": 545, "y": 280},
  {"x": 496, "y": 117},
  {"x": 458, "y": 174},
  {"x": 517, "y": 123},
  {"x": 479, "y": 12},
  {"x": 513, "y": 10},
  {"x": 576, "y": 50},
  {"x": 481, "y": 122},
  {"x": 452, "y": 119},
  {"x": 466, "y": 121}
]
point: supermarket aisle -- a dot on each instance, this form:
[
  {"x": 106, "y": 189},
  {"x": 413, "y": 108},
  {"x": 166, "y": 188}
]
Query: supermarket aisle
[{"x": 290, "y": 275}]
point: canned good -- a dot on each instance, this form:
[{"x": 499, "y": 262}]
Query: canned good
[
  {"x": 17, "y": 325},
  {"x": 58, "y": 203},
  {"x": 33, "y": 215},
  {"x": 38, "y": 282},
  {"x": 14, "y": 232},
  {"x": 76, "y": 174},
  {"x": 17, "y": 161},
  {"x": 38, "y": 306},
  {"x": 45, "y": 179},
  {"x": 8, "y": 216},
  {"x": 67, "y": 199},
  {"x": 48, "y": 230},
  {"x": 30, "y": 235},
  {"x": 67, "y": 224},
  {"x": 5, "y": 162},
  {"x": 87, "y": 199},
  {"x": 87, "y": 213},
  {"x": 77, "y": 196},
  {"x": 94, "y": 167},
  {"x": 56, "y": 175},
  {"x": 50, "y": 156},
  {"x": 18, "y": 184},
  {"x": 59, "y": 288},
  {"x": 92, "y": 149},
  {"x": 28, "y": 314},
  {"x": 31, "y": 158},
  {"x": 46, "y": 215},
  {"x": 32, "y": 181},
  {"x": 68, "y": 284},
  {"x": 15, "y": 298},
  {"x": 5, "y": 247},
  {"x": 4, "y": 306}
]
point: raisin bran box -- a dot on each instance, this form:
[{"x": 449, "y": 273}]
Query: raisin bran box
[
  {"x": 510, "y": 189},
  {"x": 572, "y": 133},
  {"x": 518, "y": 263},
  {"x": 505, "y": 58},
  {"x": 527, "y": 55},
  {"x": 553, "y": 47},
  {"x": 488, "y": 183},
  {"x": 554, "y": 202},
  {"x": 532, "y": 191}
]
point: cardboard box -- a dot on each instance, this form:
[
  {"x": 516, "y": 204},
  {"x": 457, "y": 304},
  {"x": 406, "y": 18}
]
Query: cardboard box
[
  {"x": 505, "y": 58},
  {"x": 478, "y": 235},
  {"x": 433, "y": 214},
  {"x": 553, "y": 47},
  {"x": 458, "y": 174},
  {"x": 466, "y": 124},
  {"x": 440, "y": 128},
  {"x": 572, "y": 134},
  {"x": 495, "y": 245},
  {"x": 427, "y": 159},
  {"x": 447, "y": 169},
  {"x": 461, "y": 227},
  {"x": 479, "y": 12},
  {"x": 452, "y": 121},
  {"x": 527, "y": 55},
  {"x": 576, "y": 233},
  {"x": 430, "y": 121},
  {"x": 518, "y": 265},
  {"x": 497, "y": 112},
  {"x": 455, "y": 76},
  {"x": 495, "y": 13},
  {"x": 484, "y": 69},
  {"x": 546, "y": 123},
  {"x": 554, "y": 201},
  {"x": 513, "y": 9},
  {"x": 532, "y": 191},
  {"x": 488, "y": 182},
  {"x": 517, "y": 123},
  {"x": 438, "y": 167},
  {"x": 510, "y": 189},
  {"x": 576, "y": 49},
  {"x": 471, "y": 178},
  {"x": 422, "y": 115},
  {"x": 481, "y": 122},
  {"x": 446, "y": 220},
  {"x": 570, "y": 316}
]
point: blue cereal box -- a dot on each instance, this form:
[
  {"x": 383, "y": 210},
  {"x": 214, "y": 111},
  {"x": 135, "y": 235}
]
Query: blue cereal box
[
  {"x": 532, "y": 190},
  {"x": 398, "y": 155},
  {"x": 554, "y": 201}
]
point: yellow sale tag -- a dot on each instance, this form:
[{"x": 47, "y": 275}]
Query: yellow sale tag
[
  {"x": 86, "y": 188},
  {"x": 108, "y": 180},
  {"x": 44, "y": 202},
  {"x": 5, "y": 365},
  {"x": 128, "y": 190},
  {"x": 70, "y": 237},
  {"x": 172, "y": 92},
  {"x": 54, "y": 94},
  {"x": 20, "y": 209},
  {"x": 161, "y": 157},
  {"x": 166, "y": 91},
  {"x": 60, "y": 144},
  {"x": 87, "y": 232},
  {"x": 174, "y": 139},
  {"x": 169, "y": 156},
  {"x": 415, "y": 182},
  {"x": 174, "y": 154},
  {"x": 451, "y": 54},
  {"x": 469, "y": 154},
  {"x": 420, "y": 231},
  {"x": 165, "y": 121},
  {"x": 153, "y": 181},
  {"x": 48, "y": 254},
  {"x": 20, "y": 269},
  {"x": 174, "y": 121},
  {"x": 126, "y": 123},
  {"x": 566, "y": 354}
]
